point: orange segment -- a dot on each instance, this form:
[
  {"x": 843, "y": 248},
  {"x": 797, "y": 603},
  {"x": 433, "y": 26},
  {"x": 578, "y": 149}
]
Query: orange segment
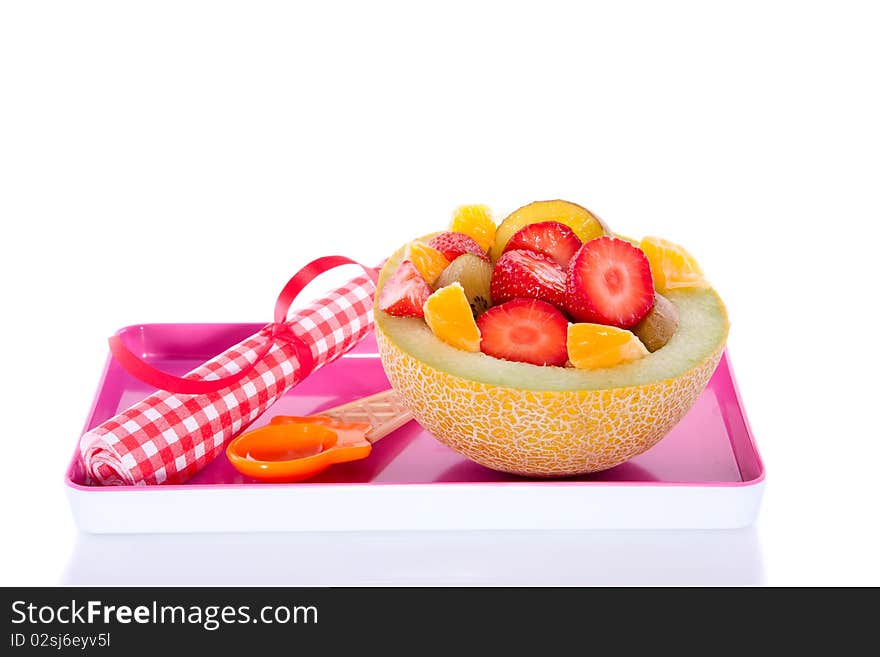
[
  {"x": 584, "y": 223},
  {"x": 428, "y": 260},
  {"x": 671, "y": 265},
  {"x": 450, "y": 319},
  {"x": 476, "y": 222},
  {"x": 594, "y": 346}
]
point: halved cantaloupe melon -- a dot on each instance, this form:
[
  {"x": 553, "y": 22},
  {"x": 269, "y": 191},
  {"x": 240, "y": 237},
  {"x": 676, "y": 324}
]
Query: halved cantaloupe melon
[{"x": 551, "y": 421}]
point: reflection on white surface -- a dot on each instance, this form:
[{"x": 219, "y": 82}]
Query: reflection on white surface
[{"x": 632, "y": 557}]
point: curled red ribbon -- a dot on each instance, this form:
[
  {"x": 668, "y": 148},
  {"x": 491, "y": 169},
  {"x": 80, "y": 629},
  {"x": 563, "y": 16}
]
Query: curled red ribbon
[{"x": 280, "y": 330}]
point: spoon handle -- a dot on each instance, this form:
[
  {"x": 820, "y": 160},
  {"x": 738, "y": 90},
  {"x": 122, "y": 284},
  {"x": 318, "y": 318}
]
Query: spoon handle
[{"x": 383, "y": 411}]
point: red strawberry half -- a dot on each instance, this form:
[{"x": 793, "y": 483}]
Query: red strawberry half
[
  {"x": 453, "y": 245},
  {"x": 404, "y": 294},
  {"x": 609, "y": 282},
  {"x": 527, "y": 274},
  {"x": 526, "y": 331},
  {"x": 550, "y": 238}
]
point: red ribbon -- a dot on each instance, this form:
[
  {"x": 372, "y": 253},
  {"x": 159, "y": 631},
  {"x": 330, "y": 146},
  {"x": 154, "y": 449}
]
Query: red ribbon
[{"x": 279, "y": 331}]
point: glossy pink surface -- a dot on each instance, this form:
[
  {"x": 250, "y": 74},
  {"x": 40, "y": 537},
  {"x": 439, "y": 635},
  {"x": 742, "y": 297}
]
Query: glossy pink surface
[{"x": 711, "y": 446}]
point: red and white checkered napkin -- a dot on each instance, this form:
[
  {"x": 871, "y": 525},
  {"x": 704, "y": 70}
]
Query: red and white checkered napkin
[{"x": 168, "y": 437}]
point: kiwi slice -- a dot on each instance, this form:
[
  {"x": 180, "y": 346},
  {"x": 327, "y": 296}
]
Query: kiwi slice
[
  {"x": 659, "y": 325},
  {"x": 474, "y": 274}
]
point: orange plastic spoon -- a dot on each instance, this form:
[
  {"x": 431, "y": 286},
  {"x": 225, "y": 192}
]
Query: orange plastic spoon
[{"x": 293, "y": 448}]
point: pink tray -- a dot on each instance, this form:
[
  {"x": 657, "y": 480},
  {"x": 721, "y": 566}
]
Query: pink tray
[{"x": 705, "y": 473}]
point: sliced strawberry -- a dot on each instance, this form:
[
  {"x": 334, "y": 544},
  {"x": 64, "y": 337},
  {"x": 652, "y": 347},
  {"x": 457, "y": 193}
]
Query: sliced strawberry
[
  {"x": 526, "y": 331},
  {"x": 453, "y": 245},
  {"x": 404, "y": 294},
  {"x": 526, "y": 274},
  {"x": 550, "y": 238},
  {"x": 609, "y": 282}
]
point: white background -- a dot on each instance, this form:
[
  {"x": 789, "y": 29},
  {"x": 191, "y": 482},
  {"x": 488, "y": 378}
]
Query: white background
[{"x": 178, "y": 161}]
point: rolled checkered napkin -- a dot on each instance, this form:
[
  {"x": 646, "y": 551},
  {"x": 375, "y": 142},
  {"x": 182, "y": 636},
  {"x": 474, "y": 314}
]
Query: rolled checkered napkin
[{"x": 172, "y": 434}]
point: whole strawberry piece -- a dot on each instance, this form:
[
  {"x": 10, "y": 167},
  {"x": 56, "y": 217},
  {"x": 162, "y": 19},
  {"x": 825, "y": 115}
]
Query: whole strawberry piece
[
  {"x": 452, "y": 245},
  {"x": 404, "y": 294},
  {"x": 526, "y": 331},
  {"x": 609, "y": 282},
  {"x": 526, "y": 274},
  {"x": 549, "y": 238}
]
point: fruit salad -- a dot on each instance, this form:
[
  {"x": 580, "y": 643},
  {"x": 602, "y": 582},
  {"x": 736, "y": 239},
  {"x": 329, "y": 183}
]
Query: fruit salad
[{"x": 552, "y": 285}]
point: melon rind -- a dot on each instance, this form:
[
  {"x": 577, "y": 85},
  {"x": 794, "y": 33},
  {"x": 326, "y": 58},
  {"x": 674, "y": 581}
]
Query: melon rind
[{"x": 576, "y": 425}]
